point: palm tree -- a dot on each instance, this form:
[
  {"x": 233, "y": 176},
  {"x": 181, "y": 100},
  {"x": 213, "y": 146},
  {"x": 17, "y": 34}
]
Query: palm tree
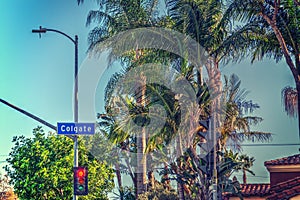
[
  {"x": 271, "y": 29},
  {"x": 206, "y": 23},
  {"x": 200, "y": 20},
  {"x": 244, "y": 161},
  {"x": 234, "y": 130},
  {"x": 247, "y": 164},
  {"x": 236, "y": 125},
  {"x": 115, "y": 17},
  {"x": 119, "y": 131},
  {"x": 107, "y": 127}
]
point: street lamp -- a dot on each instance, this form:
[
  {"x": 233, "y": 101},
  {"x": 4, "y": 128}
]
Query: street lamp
[{"x": 75, "y": 42}]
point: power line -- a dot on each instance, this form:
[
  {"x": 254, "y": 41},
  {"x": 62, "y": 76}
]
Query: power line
[
  {"x": 253, "y": 176},
  {"x": 287, "y": 144}
]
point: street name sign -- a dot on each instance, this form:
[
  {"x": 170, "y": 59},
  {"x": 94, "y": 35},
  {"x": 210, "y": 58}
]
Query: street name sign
[{"x": 71, "y": 128}]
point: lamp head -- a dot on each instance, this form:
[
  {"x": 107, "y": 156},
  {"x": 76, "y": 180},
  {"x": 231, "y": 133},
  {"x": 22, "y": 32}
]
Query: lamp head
[{"x": 39, "y": 31}]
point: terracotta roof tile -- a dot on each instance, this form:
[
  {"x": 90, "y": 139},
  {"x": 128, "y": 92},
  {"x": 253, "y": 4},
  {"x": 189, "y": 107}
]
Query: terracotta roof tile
[
  {"x": 290, "y": 160},
  {"x": 285, "y": 190},
  {"x": 255, "y": 189}
]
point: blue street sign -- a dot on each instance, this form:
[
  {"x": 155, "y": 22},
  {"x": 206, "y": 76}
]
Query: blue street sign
[{"x": 67, "y": 128}]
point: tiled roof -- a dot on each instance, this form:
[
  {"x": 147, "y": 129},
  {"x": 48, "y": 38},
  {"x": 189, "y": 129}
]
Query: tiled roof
[
  {"x": 255, "y": 189},
  {"x": 290, "y": 160},
  {"x": 285, "y": 190}
]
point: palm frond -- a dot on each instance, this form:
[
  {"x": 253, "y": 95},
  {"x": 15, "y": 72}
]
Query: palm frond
[
  {"x": 254, "y": 136},
  {"x": 289, "y": 99}
]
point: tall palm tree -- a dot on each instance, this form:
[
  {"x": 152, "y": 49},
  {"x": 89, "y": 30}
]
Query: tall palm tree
[
  {"x": 206, "y": 23},
  {"x": 114, "y": 17},
  {"x": 271, "y": 29},
  {"x": 234, "y": 130},
  {"x": 119, "y": 133},
  {"x": 200, "y": 20}
]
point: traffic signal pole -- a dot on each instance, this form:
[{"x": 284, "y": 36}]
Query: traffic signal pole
[
  {"x": 76, "y": 107},
  {"x": 29, "y": 114}
]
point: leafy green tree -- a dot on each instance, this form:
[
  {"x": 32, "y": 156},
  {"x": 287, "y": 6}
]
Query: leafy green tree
[{"x": 41, "y": 167}]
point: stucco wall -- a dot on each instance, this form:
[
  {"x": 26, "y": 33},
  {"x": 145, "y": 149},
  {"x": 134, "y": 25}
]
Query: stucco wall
[
  {"x": 245, "y": 198},
  {"x": 277, "y": 177},
  {"x": 295, "y": 197}
]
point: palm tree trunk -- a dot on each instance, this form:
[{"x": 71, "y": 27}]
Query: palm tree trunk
[
  {"x": 244, "y": 177},
  {"x": 151, "y": 179},
  {"x": 215, "y": 87},
  {"x": 294, "y": 69},
  {"x": 166, "y": 178},
  {"x": 180, "y": 189},
  {"x": 141, "y": 144},
  {"x": 297, "y": 59},
  {"x": 298, "y": 105},
  {"x": 179, "y": 152},
  {"x": 141, "y": 163},
  {"x": 281, "y": 41},
  {"x": 118, "y": 174}
]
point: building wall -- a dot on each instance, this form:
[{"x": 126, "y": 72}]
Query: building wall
[
  {"x": 252, "y": 198},
  {"x": 261, "y": 198},
  {"x": 295, "y": 197},
  {"x": 278, "y": 177}
]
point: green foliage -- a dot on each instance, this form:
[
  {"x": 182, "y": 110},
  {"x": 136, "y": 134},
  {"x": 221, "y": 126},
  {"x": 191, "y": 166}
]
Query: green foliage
[
  {"x": 159, "y": 192},
  {"x": 126, "y": 193},
  {"x": 41, "y": 167}
]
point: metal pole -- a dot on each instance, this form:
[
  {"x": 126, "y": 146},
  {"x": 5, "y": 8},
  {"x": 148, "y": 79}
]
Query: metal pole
[
  {"x": 215, "y": 172},
  {"x": 28, "y": 114},
  {"x": 214, "y": 138},
  {"x": 75, "y": 137},
  {"x": 76, "y": 105}
]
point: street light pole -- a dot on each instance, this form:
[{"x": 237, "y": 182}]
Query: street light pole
[{"x": 75, "y": 42}]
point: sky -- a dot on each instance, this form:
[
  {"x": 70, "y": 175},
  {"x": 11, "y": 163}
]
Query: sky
[{"x": 36, "y": 74}]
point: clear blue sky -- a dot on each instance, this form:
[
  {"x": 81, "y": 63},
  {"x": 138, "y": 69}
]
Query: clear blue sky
[{"x": 37, "y": 75}]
